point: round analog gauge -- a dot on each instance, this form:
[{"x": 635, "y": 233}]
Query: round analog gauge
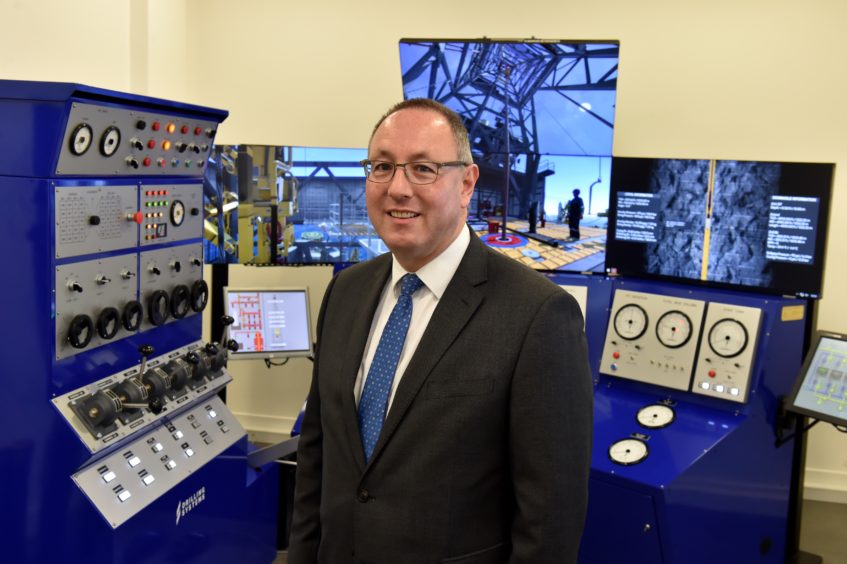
[
  {"x": 110, "y": 140},
  {"x": 655, "y": 416},
  {"x": 630, "y": 322},
  {"x": 728, "y": 338},
  {"x": 177, "y": 213},
  {"x": 673, "y": 329},
  {"x": 81, "y": 139},
  {"x": 628, "y": 451}
]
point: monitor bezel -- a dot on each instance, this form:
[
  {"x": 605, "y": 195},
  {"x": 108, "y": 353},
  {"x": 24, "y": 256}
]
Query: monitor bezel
[
  {"x": 271, "y": 355},
  {"x": 791, "y": 401}
]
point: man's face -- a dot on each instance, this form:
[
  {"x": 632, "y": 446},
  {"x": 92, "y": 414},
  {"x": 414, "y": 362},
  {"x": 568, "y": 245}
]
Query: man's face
[{"x": 417, "y": 222}]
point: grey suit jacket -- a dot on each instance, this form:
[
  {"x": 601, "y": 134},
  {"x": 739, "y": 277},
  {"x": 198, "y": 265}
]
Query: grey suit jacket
[{"x": 485, "y": 453}]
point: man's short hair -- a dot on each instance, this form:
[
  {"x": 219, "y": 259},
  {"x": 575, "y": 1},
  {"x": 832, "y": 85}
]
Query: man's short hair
[{"x": 460, "y": 133}]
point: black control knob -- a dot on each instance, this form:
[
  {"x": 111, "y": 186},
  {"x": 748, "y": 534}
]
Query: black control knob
[
  {"x": 199, "y": 295},
  {"x": 180, "y": 301},
  {"x": 226, "y": 321},
  {"x": 94, "y": 220},
  {"x": 80, "y": 331},
  {"x": 132, "y": 316},
  {"x": 232, "y": 345},
  {"x": 156, "y": 405},
  {"x": 199, "y": 369},
  {"x": 108, "y": 323},
  {"x": 195, "y": 211},
  {"x": 210, "y": 132},
  {"x": 196, "y": 262},
  {"x": 101, "y": 409},
  {"x": 145, "y": 351},
  {"x": 158, "y": 307},
  {"x": 141, "y": 124},
  {"x": 211, "y": 349}
]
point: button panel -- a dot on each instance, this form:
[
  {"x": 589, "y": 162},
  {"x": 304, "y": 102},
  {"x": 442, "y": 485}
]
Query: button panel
[{"x": 131, "y": 478}]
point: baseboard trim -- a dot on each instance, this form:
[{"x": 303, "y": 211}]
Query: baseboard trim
[
  {"x": 825, "y": 485},
  {"x": 265, "y": 428}
]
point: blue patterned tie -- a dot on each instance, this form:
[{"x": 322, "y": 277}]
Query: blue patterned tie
[{"x": 374, "y": 400}]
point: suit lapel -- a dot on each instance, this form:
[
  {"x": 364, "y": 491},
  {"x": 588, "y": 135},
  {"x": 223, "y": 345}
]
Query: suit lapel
[
  {"x": 460, "y": 300},
  {"x": 359, "y": 331}
]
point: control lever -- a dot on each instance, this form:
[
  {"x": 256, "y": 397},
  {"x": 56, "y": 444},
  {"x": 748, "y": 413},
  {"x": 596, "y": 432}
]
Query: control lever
[{"x": 144, "y": 351}]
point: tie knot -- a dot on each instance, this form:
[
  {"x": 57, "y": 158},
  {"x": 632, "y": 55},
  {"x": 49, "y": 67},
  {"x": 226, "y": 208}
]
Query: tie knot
[{"x": 409, "y": 284}]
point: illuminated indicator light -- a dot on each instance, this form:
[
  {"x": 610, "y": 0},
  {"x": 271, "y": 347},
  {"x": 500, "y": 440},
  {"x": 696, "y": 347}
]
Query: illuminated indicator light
[
  {"x": 108, "y": 476},
  {"x": 146, "y": 161},
  {"x": 170, "y": 465},
  {"x": 712, "y": 373},
  {"x": 733, "y": 391},
  {"x": 171, "y": 128},
  {"x": 616, "y": 354},
  {"x": 614, "y": 366},
  {"x": 212, "y": 414},
  {"x": 184, "y": 129},
  {"x": 134, "y": 461},
  {"x": 151, "y": 144},
  {"x": 147, "y": 193},
  {"x": 161, "y": 214},
  {"x": 719, "y": 388},
  {"x": 156, "y": 126},
  {"x": 704, "y": 385},
  {"x": 157, "y": 447},
  {"x": 124, "y": 495},
  {"x": 189, "y": 452},
  {"x": 148, "y": 479},
  {"x": 178, "y": 434},
  {"x": 166, "y": 145},
  {"x": 167, "y": 192}
]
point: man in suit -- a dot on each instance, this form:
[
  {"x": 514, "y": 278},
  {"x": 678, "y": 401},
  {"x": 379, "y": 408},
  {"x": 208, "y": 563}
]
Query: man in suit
[{"x": 476, "y": 446}]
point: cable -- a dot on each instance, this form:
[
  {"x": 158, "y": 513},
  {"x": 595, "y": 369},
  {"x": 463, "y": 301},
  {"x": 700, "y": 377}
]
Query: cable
[{"x": 269, "y": 363}]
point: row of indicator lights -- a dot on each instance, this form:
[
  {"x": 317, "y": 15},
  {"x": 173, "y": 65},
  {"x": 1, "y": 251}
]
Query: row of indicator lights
[
  {"x": 157, "y": 192},
  {"x": 160, "y": 203},
  {"x": 167, "y": 144},
  {"x": 720, "y": 388},
  {"x": 170, "y": 127}
]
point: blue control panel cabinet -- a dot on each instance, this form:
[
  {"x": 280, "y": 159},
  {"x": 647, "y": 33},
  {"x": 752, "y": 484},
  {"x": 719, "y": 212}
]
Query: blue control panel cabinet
[
  {"x": 114, "y": 443},
  {"x": 687, "y": 383}
]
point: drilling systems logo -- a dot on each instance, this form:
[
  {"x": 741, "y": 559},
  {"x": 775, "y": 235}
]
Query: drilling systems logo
[{"x": 189, "y": 503}]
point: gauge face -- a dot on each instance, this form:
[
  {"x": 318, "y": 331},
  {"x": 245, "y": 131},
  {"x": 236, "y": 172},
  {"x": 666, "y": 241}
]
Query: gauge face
[
  {"x": 673, "y": 329},
  {"x": 728, "y": 338},
  {"x": 81, "y": 139},
  {"x": 110, "y": 140},
  {"x": 627, "y": 452},
  {"x": 177, "y": 213},
  {"x": 655, "y": 416},
  {"x": 630, "y": 322}
]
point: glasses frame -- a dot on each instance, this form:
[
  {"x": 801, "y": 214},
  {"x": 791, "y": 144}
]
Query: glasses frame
[{"x": 438, "y": 166}]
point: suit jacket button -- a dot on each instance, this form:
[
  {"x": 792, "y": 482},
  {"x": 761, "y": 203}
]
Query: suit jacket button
[{"x": 363, "y": 496}]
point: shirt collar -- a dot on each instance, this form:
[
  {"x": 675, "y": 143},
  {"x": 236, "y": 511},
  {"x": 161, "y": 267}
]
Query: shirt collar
[{"x": 437, "y": 273}]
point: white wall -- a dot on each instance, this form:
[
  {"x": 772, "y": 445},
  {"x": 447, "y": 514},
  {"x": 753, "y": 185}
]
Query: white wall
[{"x": 741, "y": 79}]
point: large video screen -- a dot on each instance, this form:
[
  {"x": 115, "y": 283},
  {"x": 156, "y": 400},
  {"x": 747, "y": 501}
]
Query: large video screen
[
  {"x": 269, "y": 323},
  {"x": 287, "y": 205},
  {"x": 540, "y": 114},
  {"x": 821, "y": 388},
  {"x": 747, "y": 224}
]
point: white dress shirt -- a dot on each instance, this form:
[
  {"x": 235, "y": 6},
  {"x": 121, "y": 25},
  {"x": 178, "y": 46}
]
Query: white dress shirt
[{"x": 435, "y": 275}]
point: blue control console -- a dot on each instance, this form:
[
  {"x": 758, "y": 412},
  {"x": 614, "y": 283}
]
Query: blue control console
[{"x": 114, "y": 444}]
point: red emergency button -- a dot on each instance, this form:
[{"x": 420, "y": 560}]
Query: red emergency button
[
  {"x": 138, "y": 217},
  {"x": 712, "y": 373},
  {"x": 616, "y": 354}
]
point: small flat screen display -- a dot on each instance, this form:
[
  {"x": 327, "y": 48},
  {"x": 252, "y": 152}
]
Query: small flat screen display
[
  {"x": 269, "y": 323},
  {"x": 821, "y": 389},
  {"x": 746, "y": 224}
]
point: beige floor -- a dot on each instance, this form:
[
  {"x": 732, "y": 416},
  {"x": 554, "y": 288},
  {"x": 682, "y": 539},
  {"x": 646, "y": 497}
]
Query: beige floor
[
  {"x": 822, "y": 534},
  {"x": 553, "y": 258}
]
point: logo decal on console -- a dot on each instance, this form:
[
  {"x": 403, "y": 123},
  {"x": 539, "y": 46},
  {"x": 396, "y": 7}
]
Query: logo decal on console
[{"x": 189, "y": 503}]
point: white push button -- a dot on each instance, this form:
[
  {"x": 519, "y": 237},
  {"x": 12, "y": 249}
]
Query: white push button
[
  {"x": 157, "y": 447},
  {"x": 108, "y": 476},
  {"x": 148, "y": 479},
  {"x": 134, "y": 461},
  {"x": 124, "y": 495},
  {"x": 733, "y": 391},
  {"x": 212, "y": 414},
  {"x": 178, "y": 434},
  {"x": 189, "y": 452},
  {"x": 704, "y": 385},
  {"x": 170, "y": 464},
  {"x": 719, "y": 388}
]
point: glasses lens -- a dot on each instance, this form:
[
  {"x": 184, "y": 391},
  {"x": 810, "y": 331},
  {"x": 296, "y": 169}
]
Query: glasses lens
[
  {"x": 380, "y": 171},
  {"x": 422, "y": 172}
]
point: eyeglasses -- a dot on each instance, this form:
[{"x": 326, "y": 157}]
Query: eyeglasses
[{"x": 417, "y": 172}]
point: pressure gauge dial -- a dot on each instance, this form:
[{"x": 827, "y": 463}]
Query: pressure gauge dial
[
  {"x": 655, "y": 416},
  {"x": 627, "y": 452},
  {"x": 81, "y": 139},
  {"x": 177, "y": 213},
  {"x": 673, "y": 329},
  {"x": 630, "y": 322},
  {"x": 728, "y": 338},
  {"x": 110, "y": 140}
]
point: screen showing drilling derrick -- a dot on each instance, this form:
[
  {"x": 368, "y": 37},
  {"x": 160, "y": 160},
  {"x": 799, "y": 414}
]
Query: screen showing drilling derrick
[
  {"x": 746, "y": 224},
  {"x": 540, "y": 117},
  {"x": 269, "y": 323}
]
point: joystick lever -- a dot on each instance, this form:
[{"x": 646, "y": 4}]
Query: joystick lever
[
  {"x": 226, "y": 320},
  {"x": 144, "y": 351}
]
